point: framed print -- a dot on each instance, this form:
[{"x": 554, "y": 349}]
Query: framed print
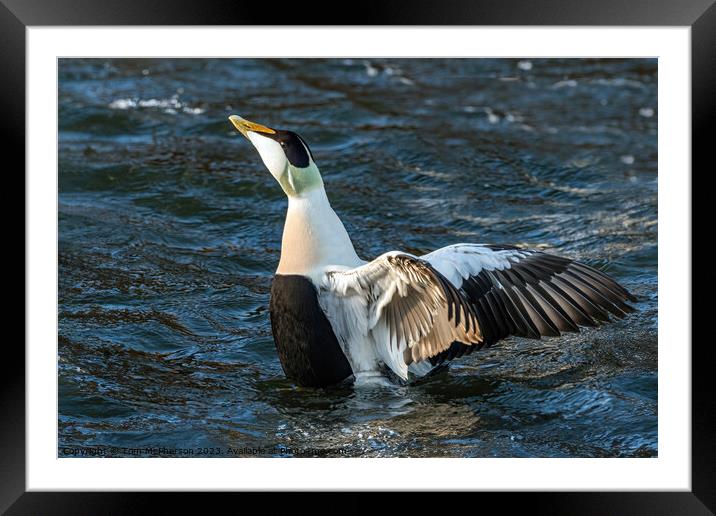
[{"x": 437, "y": 249}]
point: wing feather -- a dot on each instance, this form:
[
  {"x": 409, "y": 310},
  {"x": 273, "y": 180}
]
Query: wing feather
[
  {"x": 417, "y": 311},
  {"x": 527, "y": 293}
]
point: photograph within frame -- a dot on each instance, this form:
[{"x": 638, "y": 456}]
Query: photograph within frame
[
  {"x": 660, "y": 229},
  {"x": 169, "y": 233}
]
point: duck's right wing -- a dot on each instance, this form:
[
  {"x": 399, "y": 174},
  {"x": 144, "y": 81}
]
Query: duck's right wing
[{"x": 410, "y": 311}]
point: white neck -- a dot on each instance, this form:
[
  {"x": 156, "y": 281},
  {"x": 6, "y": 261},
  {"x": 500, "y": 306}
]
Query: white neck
[{"x": 314, "y": 236}]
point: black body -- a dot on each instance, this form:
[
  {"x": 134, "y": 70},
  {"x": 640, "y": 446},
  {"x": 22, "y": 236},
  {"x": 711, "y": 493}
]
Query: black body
[{"x": 307, "y": 347}]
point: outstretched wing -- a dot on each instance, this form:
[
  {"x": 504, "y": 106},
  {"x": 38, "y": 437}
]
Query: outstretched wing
[
  {"x": 526, "y": 293},
  {"x": 411, "y": 310}
]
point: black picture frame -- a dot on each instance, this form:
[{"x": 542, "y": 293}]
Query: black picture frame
[{"x": 700, "y": 15}]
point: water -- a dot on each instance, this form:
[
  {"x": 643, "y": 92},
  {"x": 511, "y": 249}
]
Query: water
[{"x": 170, "y": 228}]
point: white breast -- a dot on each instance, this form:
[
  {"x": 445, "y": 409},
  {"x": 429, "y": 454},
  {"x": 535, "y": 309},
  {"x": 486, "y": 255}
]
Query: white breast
[{"x": 314, "y": 238}]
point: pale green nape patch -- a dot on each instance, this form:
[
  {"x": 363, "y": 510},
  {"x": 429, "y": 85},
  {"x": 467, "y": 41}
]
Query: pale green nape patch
[{"x": 296, "y": 181}]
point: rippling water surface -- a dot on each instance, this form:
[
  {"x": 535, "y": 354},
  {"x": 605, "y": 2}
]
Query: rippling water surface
[{"x": 170, "y": 228}]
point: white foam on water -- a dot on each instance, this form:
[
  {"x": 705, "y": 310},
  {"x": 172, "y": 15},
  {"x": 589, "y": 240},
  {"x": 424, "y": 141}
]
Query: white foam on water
[
  {"x": 618, "y": 81},
  {"x": 492, "y": 117},
  {"x": 171, "y": 105},
  {"x": 568, "y": 83},
  {"x": 123, "y": 104},
  {"x": 525, "y": 65},
  {"x": 370, "y": 70},
  {"x": 646, "y": 112}
]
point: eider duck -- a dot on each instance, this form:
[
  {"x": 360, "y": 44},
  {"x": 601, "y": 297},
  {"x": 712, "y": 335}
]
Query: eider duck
[{"x": 335, "y": 316}]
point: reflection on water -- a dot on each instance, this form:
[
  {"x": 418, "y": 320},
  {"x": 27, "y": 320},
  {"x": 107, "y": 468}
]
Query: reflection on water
[{"x": 170, "y": 231}]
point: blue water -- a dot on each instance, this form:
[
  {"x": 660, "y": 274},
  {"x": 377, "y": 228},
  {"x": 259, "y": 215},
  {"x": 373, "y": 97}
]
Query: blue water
[{"x": 170, "y": 229}]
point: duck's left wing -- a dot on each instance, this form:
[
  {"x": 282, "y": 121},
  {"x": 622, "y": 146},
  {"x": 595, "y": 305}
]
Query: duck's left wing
[
  {"x": 411, "y": 311},
  {"x": 527, "y": 293}
]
